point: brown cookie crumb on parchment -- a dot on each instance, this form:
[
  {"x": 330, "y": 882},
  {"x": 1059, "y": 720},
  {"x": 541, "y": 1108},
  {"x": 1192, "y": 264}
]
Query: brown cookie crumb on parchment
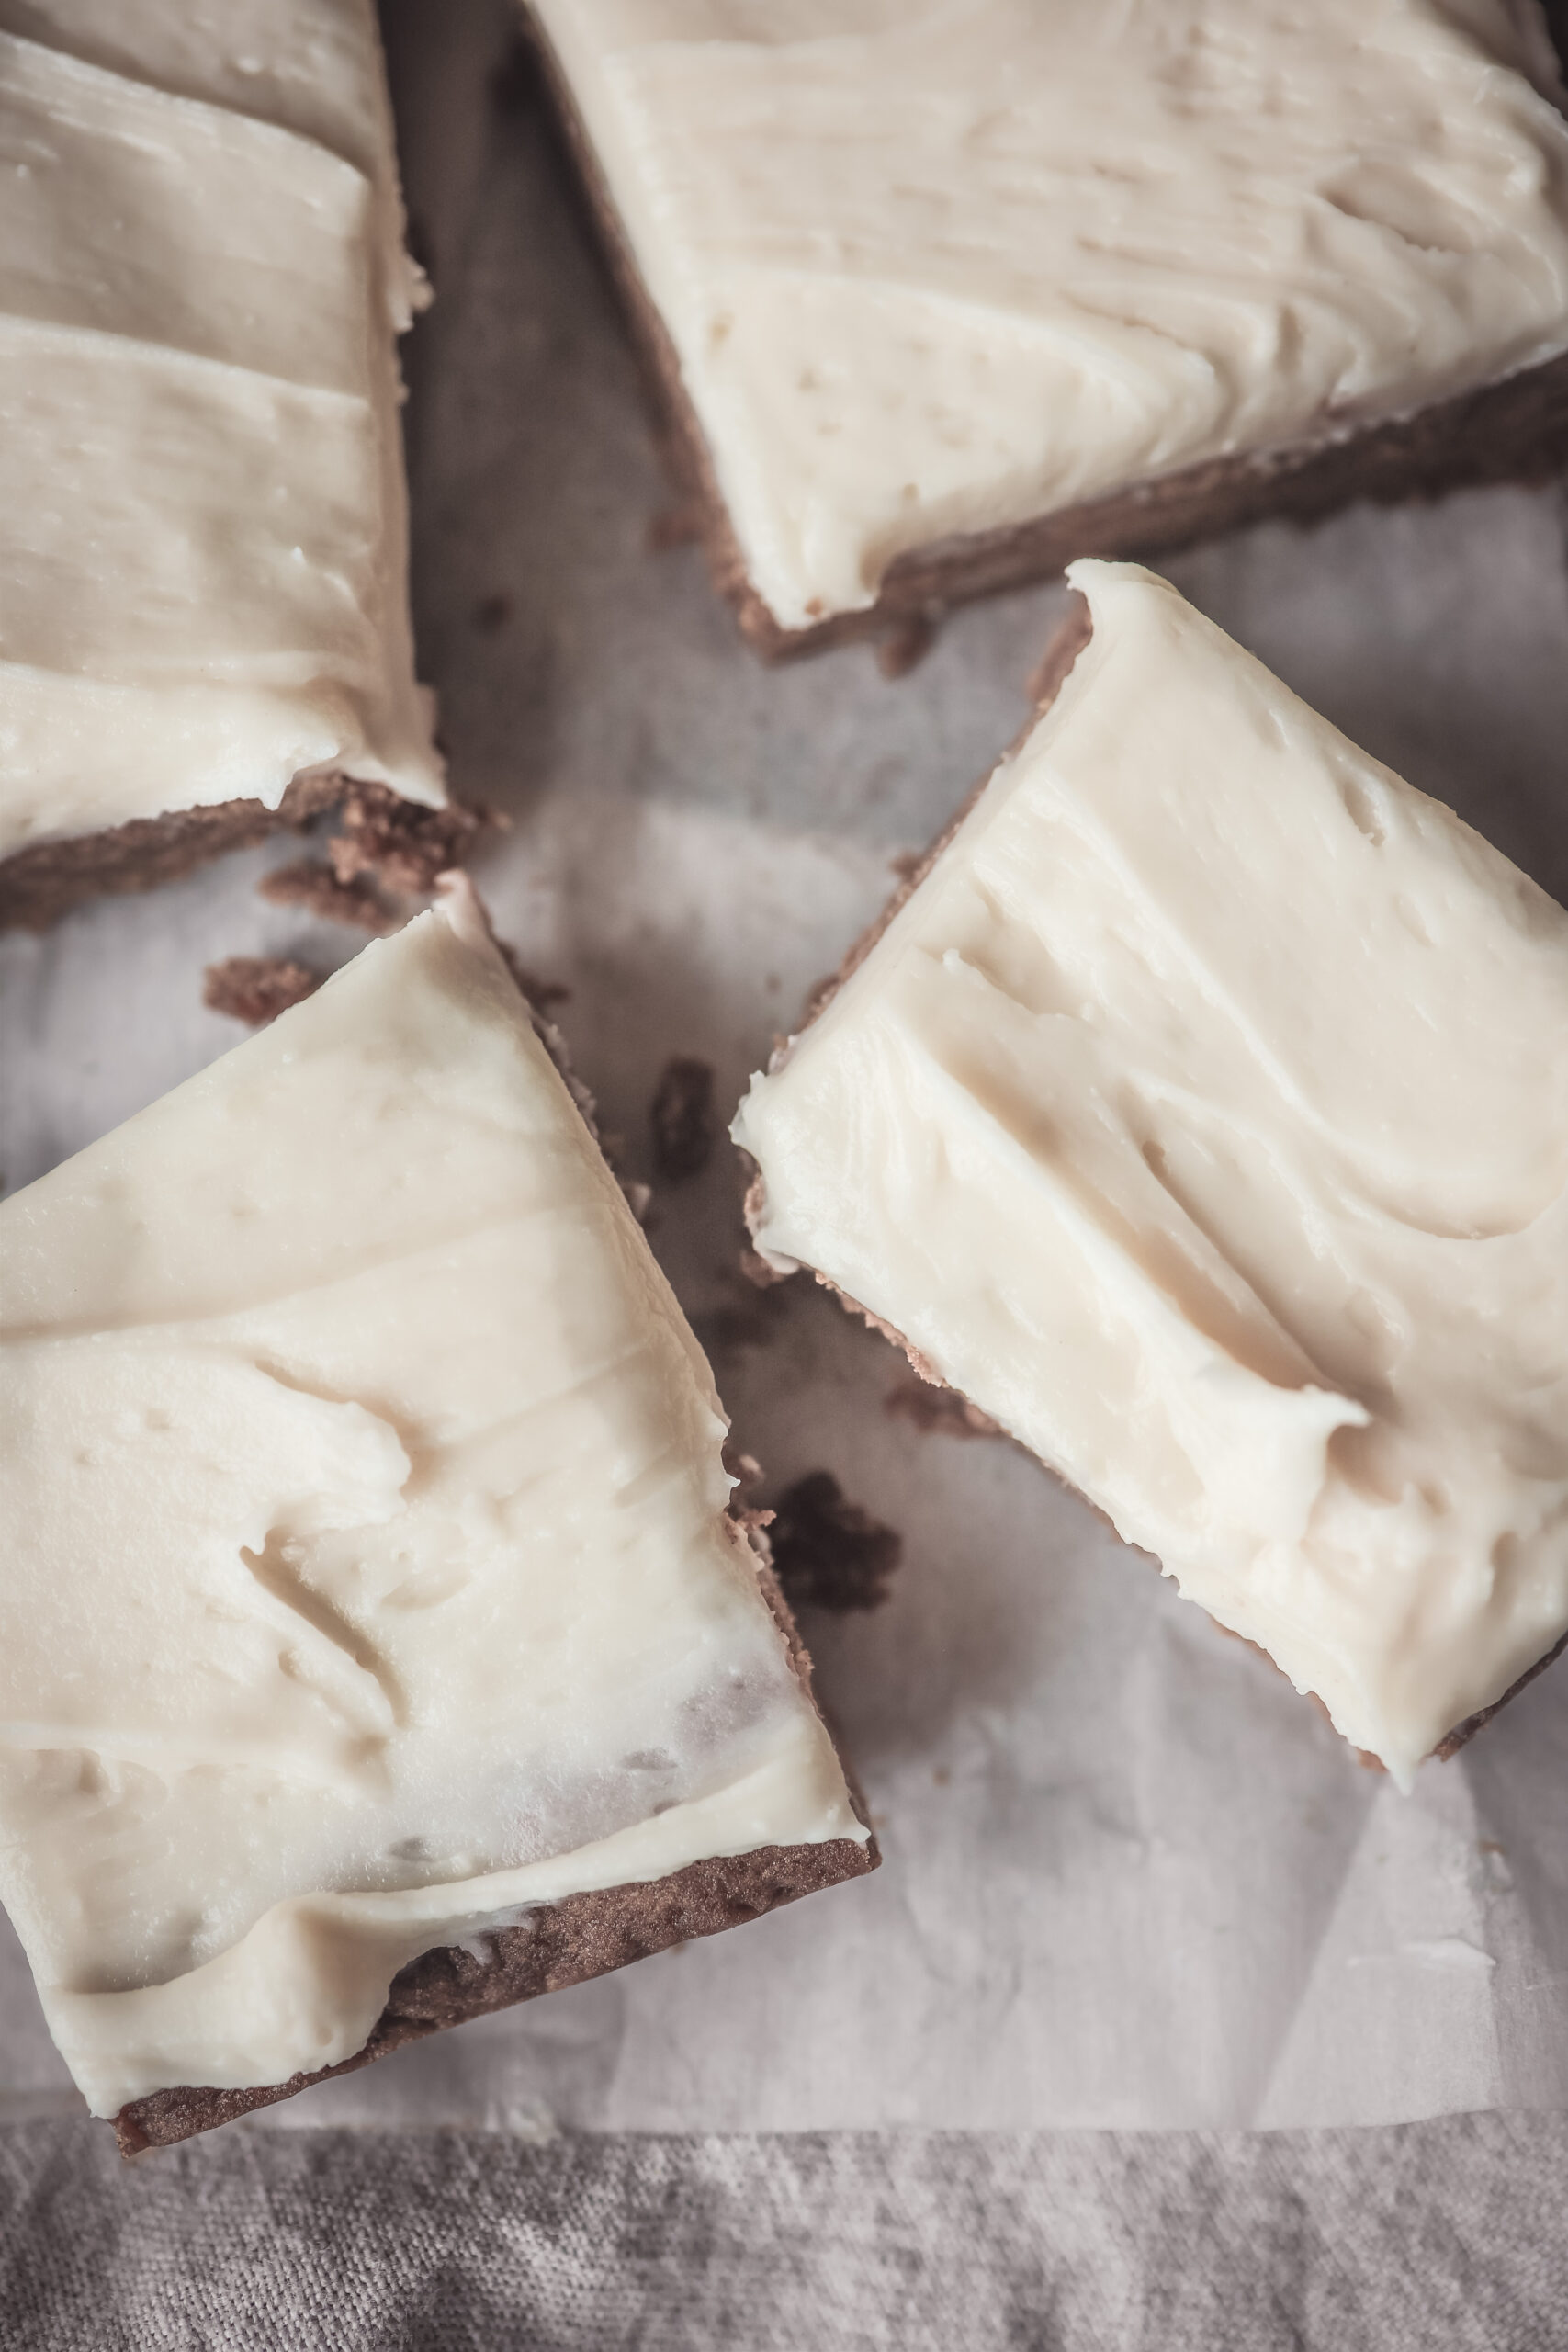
[
  {"x": 679, "y": 526},
  {"x": 256, "y": 989},
  {"x": 681, "y": 1118},
  {"x": 752, "y": 1317},
  {"x": 402, "y": 846},
  {"x": 317, "y": 891},
  {"x": 907, "y": 643},
  {"x": 828, "y": 1552}
]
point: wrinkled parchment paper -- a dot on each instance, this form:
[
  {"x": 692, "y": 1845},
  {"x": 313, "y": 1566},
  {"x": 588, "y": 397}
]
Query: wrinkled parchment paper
[{"x": 1130, "y": 1879}]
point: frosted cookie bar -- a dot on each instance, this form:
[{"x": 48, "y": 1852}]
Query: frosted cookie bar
[
  {"x": 377, "y": 1644},
  {"x": 203, "y": 626},
  {"x": 1202, "y": 1116},
  {"x": 941, "y": 296}
]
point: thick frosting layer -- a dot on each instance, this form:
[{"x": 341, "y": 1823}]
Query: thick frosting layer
[
  {"x": 1203, "y": 1116},
  {"x": 937, "y": 270},
  {"x": 203, "y": 542},
  {"x": 369, "y": 1573}
]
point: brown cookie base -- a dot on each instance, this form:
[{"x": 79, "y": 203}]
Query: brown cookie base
[
  {"x": 1467, "y": 1730},
  {"x": 40, "y": 884},
  {"x": 398, "y": 843},
  {"x": 568, "y": 1942},
  {"x": 1049, "y": 678},
  {"x": 1512, "y": 431}
]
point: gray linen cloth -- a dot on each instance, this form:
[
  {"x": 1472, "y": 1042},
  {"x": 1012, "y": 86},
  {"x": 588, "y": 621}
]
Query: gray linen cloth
[{"x": 1448, "y": 2235}]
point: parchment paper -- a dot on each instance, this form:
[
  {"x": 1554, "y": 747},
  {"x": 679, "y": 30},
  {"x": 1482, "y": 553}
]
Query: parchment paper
[{"x": 1131, "y": 1878}]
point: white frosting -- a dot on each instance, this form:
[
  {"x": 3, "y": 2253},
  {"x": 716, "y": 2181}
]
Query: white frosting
[
  {"x": 202, "y": 512},
  {"x": 367, "y": 1568},
  {"x": 933, "y": 269},
  {"x": 1203, "y": 1116}
]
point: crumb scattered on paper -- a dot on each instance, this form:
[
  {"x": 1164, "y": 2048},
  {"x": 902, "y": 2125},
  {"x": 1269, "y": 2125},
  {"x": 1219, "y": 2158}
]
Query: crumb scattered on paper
[
  {"x": 751, "y": 1317},
  {"x": 675, "y": 527},
  {"x": 681, "y": 1118},
  {"x": 404, "y": 847},
  {"x": 906, "y": 647},
  {"x": 256, "y": 989},
  {"x": 828, "y": 1552},
  {"x": 314, "y": 887}
]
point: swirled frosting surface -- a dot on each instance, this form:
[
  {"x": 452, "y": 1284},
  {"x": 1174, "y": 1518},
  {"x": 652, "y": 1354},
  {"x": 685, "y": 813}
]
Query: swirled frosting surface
[
  {"x": 202, "y": 512},
  {"x": 1203, "y": 1116},
  {"x": 368, "y": 1573},
  {"x": 934, "y": 269}
]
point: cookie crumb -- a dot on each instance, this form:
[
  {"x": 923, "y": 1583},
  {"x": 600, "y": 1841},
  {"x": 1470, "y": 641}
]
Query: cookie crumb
[
  {"x": 675, "y": 527},
  {"x": 256, "y": 989},
  {"x": 905, "y": 645},
  {"x": 317, "y": 890},
  {"x": 828, "y": 1552},
  {"x": 513, "y": 83},
  {"x": 751, "y": 1318},
  {"x": 681, "y": 1118},
  {"x": 404, "y": 847}
]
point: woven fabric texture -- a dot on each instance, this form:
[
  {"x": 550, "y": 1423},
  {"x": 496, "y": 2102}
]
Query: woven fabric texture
[{"x": 1448, "y": 2235}]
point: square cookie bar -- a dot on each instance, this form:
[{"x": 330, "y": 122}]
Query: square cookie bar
[
  {"x": 203, "y": 626},
  {"x": 939, "y": 297},
  {"x": 1202, "y": 1116},
  {"x": 377, "y": 1645}
]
